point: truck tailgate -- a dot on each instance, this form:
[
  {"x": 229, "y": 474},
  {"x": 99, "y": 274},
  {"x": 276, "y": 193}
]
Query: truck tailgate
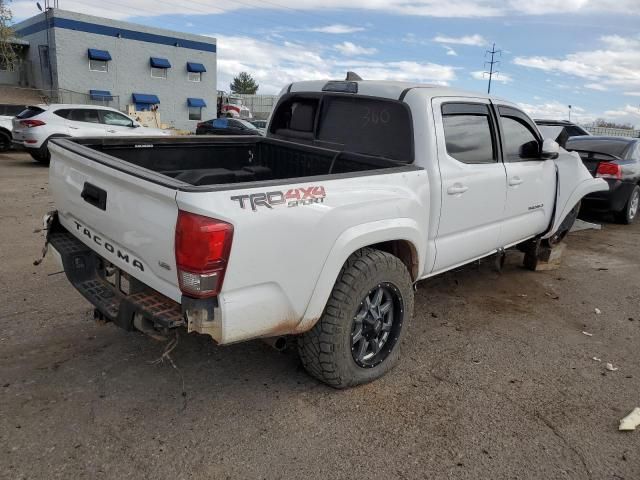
[{"x": 127, "y": 220}]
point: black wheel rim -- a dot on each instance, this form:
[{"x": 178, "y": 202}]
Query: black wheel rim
[{"x": 376, "y": 325}]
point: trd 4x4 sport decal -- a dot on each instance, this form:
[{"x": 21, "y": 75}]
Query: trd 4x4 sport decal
[{"x": 293, "y": 197}]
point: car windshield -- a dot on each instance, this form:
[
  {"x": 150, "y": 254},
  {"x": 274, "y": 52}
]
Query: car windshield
[{"x": 610, "y": 146}]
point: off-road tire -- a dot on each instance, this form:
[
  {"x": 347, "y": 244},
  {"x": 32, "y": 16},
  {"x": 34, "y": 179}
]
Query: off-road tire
[
  {"x": 326, "y": 349},
  {"x": 630, "y": 211}
]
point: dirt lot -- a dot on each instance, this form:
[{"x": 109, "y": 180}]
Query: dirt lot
[{"x": 497, "y": 381}]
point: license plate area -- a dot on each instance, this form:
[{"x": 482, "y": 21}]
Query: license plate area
[{"x": 121, "y": 281}]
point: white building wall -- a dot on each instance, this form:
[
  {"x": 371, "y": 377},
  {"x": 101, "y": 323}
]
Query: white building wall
[{"x": 129, "y": 70}]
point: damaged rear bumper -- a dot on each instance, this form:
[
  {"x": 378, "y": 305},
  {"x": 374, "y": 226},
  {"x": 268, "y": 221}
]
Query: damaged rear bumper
[{"x": 119, "y": 297}]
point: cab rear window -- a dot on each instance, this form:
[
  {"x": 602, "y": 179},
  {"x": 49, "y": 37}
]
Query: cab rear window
[{"x": 351, "y": 123}]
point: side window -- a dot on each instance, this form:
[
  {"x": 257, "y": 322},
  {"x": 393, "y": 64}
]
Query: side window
[
  {"x": 519, "y": 142},
  {"x": 468, "y": 132},
  {"x": 115, "y": 118},
  {"x": 63, "y": 112},
  {"x": 574, "y": 131},
  {"x": 84, "y": 115}
]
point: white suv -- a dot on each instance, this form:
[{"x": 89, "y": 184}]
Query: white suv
[
  {"x": 7, "y": 112},
  {"x": 37, "y": 124}
]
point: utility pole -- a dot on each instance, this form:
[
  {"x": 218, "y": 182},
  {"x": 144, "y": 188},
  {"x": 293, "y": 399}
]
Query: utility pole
[
  {"x": 492, "y": 63},
  {"x": 569, "y": 112}
]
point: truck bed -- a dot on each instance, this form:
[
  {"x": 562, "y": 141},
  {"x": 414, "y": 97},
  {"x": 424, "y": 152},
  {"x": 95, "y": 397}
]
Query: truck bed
[{"x": 208, "y": 161}]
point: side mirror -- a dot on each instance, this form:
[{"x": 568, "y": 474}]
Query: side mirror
[
  {"x": 135, "y": 125},
  {"x": 550, "y": 149}
]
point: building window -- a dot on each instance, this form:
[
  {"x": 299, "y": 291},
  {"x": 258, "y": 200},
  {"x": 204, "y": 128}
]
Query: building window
[
  {"x": 158, "y": 72},
  {"x": 98, "y": 65},
  {"x": 195, "y": 76},
  {"x": 195, "y": 113}
]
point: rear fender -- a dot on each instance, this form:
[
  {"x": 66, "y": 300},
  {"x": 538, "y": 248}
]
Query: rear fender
[
  {"x": 574, "y": 182},
  {"x": 349, "y": 242}
]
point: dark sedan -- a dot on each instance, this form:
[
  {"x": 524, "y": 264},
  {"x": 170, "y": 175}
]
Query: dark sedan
[
  {"x": 226, "y": 126},
  {"x": 617, "y": 160}
]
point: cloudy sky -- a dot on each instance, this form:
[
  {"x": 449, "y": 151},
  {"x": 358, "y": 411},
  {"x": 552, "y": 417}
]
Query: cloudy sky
[{"x": 585, "y": 53}]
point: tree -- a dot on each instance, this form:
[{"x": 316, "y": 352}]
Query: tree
[
  {"x": 8, "y": 54},
  {"x": 243, "y": 83},
  {"x": 601, "y": 122}
]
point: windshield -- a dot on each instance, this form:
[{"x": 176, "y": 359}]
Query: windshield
[{"x": 235, "y": 101}]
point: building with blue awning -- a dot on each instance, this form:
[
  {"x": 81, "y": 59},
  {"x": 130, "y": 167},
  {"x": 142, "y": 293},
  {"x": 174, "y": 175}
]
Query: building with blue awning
[{"x": 131, "y": 67}]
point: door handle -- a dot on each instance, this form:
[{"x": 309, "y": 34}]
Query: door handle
[
  {"x": 112, "y": 131},
  {"x": 513, "y": 181},
  {"x": 74, "y": 128},
  {"x": 457, "y": 189}
]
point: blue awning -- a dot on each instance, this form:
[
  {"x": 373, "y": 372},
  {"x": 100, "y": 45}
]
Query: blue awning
[
  {"x": 100, "y": 95},
  {"x": 159, "y": 62},
  {"x": 95, "y": 54},
  {"x": 145, "y": 98},
  {"x": 196, "y": 102},
  {"x": 195, "y": 67}
]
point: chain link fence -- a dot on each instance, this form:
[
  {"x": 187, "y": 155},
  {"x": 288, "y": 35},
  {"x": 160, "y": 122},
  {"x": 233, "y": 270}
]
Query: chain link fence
[
  {"x": 612, "y": 132},
  {"x": 260, "y": 105}
]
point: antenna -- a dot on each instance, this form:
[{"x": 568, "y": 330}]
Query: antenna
[{"x": 493, "y": 62}]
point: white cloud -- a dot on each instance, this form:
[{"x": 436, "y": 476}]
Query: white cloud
[
  {"x": 632, "y": 94},
  {"x": 350, "y": 49},
  {"x": 497, "y": 77},
  {"x": 616, "y": 64},
  {"x": 430, "y": 8},
  {"x": 555, "y": 110},
  {"x": 451, "y": 52},
  {"x": 275, "y": 63},
  {"x": 596, "y": 86},
  {"x": 337, "y": 29},
  {"x": 474, "y": 40}
]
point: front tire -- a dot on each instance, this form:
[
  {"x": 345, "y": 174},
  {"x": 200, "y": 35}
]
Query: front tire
[
  {"x": 630, "y": 210},
  {"x": 359, "y": 336}
]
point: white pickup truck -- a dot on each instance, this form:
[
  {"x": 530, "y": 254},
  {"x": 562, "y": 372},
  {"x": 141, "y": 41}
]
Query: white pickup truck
[{"x": 317, "y": 230}]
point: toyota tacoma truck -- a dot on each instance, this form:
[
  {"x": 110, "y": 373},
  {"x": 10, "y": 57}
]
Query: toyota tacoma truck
[{"x": 318, "y": 230}]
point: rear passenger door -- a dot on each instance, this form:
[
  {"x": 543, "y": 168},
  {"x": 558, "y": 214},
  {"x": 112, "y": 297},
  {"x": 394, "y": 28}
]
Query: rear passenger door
[
  {"x": 473, "y": 180},
  {"x": 531, "y": 181},
  {"x": 85, "y": 122}
]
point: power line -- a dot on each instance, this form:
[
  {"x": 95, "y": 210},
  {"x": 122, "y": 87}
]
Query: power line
[{"x": 493, "y": 62}]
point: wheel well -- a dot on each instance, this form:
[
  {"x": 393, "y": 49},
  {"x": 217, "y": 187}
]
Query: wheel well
[
  {"x": 405, "y": 251},
  {"x": 6, "y": 132}
]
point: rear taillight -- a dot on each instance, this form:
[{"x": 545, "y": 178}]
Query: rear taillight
[
  {"x": 202, "y": 248},
  {"x": 32, "y": 123},
  {"x": 609, "y": 170},
  {"x": 200, "y": 124}
]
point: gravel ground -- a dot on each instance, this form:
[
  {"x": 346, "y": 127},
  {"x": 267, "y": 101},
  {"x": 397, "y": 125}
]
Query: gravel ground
[{"x": 497, "y": 381}]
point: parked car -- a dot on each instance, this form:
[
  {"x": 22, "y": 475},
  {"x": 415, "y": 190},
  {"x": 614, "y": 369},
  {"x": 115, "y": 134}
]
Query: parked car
[
  {"x": 318, "y": 230},
  {"x": 226, "y": 126},
  {"x": 617, "y": 160},
  {"x": 261, "y": 125},
  {"x": 560, "y": 130},
  {"x": 36, "y": 125},
  {"x": 7, "y": 112}
]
